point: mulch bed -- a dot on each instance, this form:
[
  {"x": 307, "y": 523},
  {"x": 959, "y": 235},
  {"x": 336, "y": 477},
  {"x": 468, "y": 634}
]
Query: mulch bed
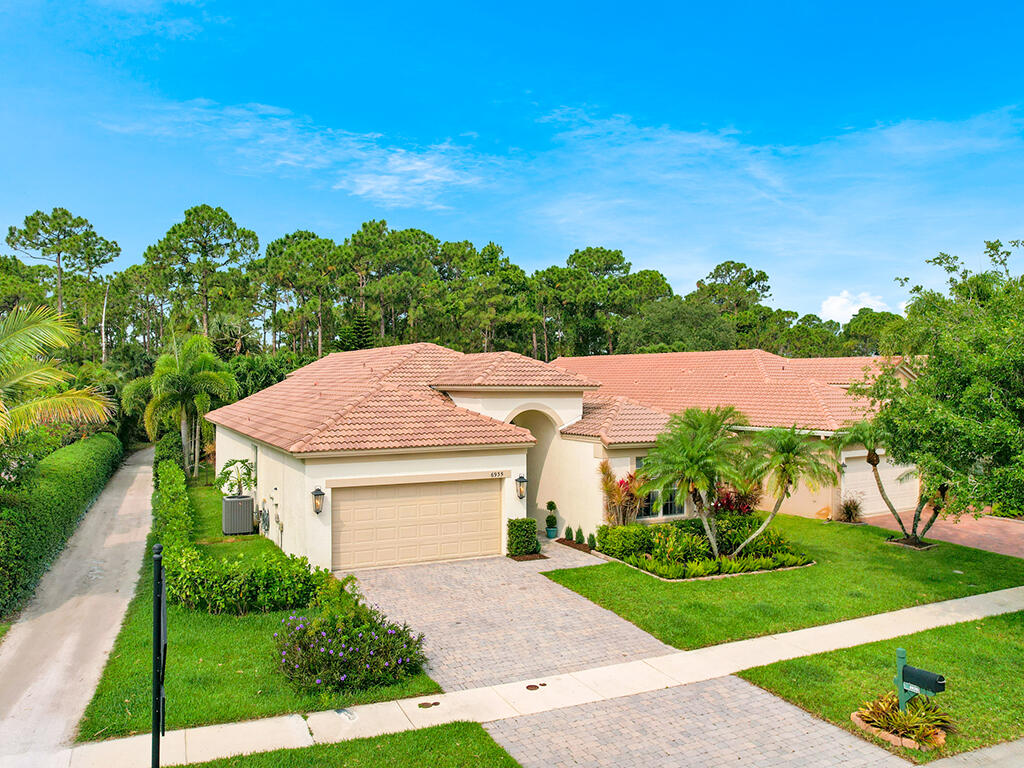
[
  {"x": 522, "y": 558},
  {"x": 574, "y": 545},
  {"x": 908, "y": 545},
  {"x": 897, "y": 741}
]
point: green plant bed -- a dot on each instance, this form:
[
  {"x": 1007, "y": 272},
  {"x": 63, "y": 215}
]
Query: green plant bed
[
  {"x": 980, "y": 659},
  {"x": 456, "y": 745},
  {"x": 708, "y": 568},
  {"x": 857, "y": 574},
  {"x": 220, "y": 669}
]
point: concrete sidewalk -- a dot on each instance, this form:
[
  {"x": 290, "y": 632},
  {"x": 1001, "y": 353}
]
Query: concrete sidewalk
[
  {"x": 52, "y": 657},
  {"x": 532, "y": 696}
]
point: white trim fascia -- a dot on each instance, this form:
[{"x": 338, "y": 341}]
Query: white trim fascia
[{"x": 431, "y": 449}]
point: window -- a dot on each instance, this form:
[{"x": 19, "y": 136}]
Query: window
[{"x": 650, "y": 506}]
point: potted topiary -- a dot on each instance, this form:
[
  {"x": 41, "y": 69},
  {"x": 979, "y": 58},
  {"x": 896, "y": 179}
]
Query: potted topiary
[
  {"x": 236, "y": 477},
  {"x": 551, "y": 521}
]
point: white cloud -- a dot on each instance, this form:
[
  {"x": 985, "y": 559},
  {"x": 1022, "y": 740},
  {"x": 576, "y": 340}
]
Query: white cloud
[{"x": 844, "y": 306}]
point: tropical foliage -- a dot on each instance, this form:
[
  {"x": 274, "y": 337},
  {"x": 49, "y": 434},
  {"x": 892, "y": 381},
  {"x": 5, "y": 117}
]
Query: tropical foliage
[
  {"x": 622, "y": 497},
  {"x": 186, "y": 383}
]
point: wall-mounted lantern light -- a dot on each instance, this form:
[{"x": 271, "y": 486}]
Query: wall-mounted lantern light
[
  {"x": 318, "y": 500},
  {"x": 521, "y": 487}
]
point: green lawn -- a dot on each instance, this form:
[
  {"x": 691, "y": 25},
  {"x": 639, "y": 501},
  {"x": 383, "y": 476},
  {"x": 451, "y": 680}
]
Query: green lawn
[
  {"x": 857, "y": 574},
  {"x": 3, "y": 630},
  {"x": 980, "y": 659},
  {"x": 219, "y": 668},
  {"x": 457, "y": 745}
]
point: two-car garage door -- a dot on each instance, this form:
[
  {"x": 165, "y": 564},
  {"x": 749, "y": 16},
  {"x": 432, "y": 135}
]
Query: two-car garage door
[
  {"x": 415, "y": 522},
  {"x": 859, "y": 481}
]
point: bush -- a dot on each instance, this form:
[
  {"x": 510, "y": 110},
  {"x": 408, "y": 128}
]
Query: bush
[
  {"x": 168, "y": 448},
  {"x": 708, "y": 566},
  {"x": 922, "y": 721},
  {"x": 731, "y": 501},
  {"x": 568, "y": 533},
  {"x": 522, "y": 536},
  {"x": 268, "y": 582},
  {"x": 550, "y": 521},
  {"x": 672, "y": 543},
  {"x": 37, "y": 518},
  {"x": 579, "y": 535},
  {"x": 348, "y": 646},
  {"x": 591, "y": 541},
  {"x": 622, "y": 541},
  {"x": 849, "y": 509}
]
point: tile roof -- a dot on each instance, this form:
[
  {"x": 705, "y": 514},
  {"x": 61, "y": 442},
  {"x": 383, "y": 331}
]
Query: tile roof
[
  {"x": 507, "y": 369},
  {"x": 617, "y": 420},
  {"x": 374, "y": 399},
  {"x": 772, "y": 391}
]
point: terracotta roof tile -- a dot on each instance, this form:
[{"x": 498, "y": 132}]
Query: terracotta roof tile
[
  {"x": 507, "y": 369},
  {"x": 365, "y": 400},
  {"x": 771, "y": 391},
  {"x": 617, "y": 420}
]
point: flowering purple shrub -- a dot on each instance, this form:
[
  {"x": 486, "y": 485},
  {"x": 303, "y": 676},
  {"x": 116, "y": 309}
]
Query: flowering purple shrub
[{"x": 347, "y": 646}]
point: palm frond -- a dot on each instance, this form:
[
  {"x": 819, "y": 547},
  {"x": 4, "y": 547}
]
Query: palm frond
[
  {"x": 34, "y": 332},
  {"x": 75, "y": 405}
]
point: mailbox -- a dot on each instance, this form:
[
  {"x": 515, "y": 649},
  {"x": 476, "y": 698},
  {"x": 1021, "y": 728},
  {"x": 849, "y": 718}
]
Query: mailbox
[{"x": 910, "y": 681}]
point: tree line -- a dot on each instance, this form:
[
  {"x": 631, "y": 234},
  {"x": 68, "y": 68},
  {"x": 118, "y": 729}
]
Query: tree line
[{"x": 310, "y": 295}]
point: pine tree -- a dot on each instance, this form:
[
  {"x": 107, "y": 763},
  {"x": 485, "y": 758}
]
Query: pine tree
[{"x": 363, "y": 329}]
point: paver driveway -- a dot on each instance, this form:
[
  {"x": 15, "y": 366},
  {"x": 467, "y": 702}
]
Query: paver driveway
[
  {"x": 994, "y": 534},
  {"x": 717, "y": 723},
  {"x": 494, "y": 620}
]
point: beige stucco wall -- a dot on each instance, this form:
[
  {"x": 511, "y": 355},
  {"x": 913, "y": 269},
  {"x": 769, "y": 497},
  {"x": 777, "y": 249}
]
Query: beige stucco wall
[{"x": 563, "y": 407}]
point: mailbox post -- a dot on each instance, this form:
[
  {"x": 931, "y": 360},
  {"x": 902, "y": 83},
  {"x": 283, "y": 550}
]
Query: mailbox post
[
  {"x": 159, "y": 712},
  {"x": 911, "y": 681}
]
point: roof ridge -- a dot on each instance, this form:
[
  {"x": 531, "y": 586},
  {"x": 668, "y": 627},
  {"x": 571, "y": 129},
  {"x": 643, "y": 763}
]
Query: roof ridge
[
  {"x": 602, "y": 431},
  {"x": 498, "y": 357},
  {"x": 335, "y": 418},
  {"x": 813, "y": 385}
]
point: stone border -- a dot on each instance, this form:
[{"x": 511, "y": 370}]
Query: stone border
[
  {"x": 1019, "y": 520},
  {"x": 713, "y": 577},
  {"x": 897, "y": 741}
]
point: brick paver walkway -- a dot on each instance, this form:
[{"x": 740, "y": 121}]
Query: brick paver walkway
[
  {"x": 493, "y": 620},
  {"x": 993, "y": 534},
  {"x": 721, "y": 722}
]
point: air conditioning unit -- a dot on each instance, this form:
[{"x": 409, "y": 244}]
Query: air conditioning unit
[{"x": 236, "y": 515}]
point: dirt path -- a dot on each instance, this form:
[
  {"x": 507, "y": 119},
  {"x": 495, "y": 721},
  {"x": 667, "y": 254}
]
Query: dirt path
[{"x": 52, "y": 658}]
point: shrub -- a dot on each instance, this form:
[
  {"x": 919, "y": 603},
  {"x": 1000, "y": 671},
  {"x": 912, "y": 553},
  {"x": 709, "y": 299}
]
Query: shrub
[
  {"x": 734, "y": 529},
  {"x": 551, "y": 506},
  {"x": 730, "y": 501},
  {"x": 168, "y": 448},
  {"x": 267, "y": 582},
  {"x": 674, "y": 544},
  {"x": 591, "y": 541},
  {"x": 622, "y": 541},
  {"x": 849, "y": 509},
  {"x": 522, "y": 536},
  {"x": 347, "y": 646},
  {"x": 37, "y": 518},
  {"x": 568, "y": 533},
  {"x": 698, "y": 568},
  {"x": 579, "y": 535},
  {"x": 922, "y": 721},
  {"x": 550, "y": 521}
]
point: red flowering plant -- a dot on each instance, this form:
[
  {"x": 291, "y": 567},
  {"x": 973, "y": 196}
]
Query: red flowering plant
[{"x": 730, "y": 500}]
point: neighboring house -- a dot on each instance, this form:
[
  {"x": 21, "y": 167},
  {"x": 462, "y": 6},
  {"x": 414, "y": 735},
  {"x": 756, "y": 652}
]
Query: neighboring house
[{"x": 418, "y": 448}]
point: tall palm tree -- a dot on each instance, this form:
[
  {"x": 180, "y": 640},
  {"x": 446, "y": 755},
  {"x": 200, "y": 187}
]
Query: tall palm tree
[
  {"x": 186, "y": 381},
  {"x": 698, "y": 450},
  {"x": 782, "y": 459},
  {"x": 29, "y": 376},
  {"x": 870, "y": 435}
]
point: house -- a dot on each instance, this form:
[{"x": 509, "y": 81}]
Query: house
[{"x": 422, "y": 453}]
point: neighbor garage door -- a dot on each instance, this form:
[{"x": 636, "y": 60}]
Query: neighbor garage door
[
  {"x": 415, "y": 522},
  {"x": 859, "y": 481}
]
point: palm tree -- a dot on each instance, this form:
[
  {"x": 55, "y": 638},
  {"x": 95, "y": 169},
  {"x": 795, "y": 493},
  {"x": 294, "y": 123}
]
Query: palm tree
[
  {"x": 185, "y": 383},
  {"x": 697, "y": 451},
  {"x": 870, "y": 435},
  {"x": 28, "y": 375},
  {"x": 783, "y": 458}
]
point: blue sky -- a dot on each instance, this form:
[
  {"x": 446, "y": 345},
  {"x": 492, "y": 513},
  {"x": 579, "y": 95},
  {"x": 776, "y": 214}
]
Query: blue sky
[{"x": 835, "y": 146}]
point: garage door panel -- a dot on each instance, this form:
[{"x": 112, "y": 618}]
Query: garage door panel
[
  {"x": 415, "y": 522},
  {"x": 859, "y": 481}
]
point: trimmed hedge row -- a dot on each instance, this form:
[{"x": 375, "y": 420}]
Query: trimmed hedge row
[
  {"x": 267, "y": 582},
  {"x": 37, "y": 519}
]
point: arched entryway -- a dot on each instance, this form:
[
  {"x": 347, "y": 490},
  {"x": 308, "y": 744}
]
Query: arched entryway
[{"x": 544, "y": 431}]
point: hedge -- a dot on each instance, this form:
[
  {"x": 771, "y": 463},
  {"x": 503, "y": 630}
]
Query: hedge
[
  {"x": 37, "y": 519},
  {"x": 267, "y": 582},
  {"x": 522, "y": 536}
]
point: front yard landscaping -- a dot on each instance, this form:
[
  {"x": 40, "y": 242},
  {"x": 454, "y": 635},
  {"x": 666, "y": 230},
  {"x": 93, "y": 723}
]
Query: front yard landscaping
[
  {"x": 228, "y": 659},
  {"x": 857, "y": 574},
  {"x": 457, "y": 745},
  {"x": 981, "y": 661}
]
